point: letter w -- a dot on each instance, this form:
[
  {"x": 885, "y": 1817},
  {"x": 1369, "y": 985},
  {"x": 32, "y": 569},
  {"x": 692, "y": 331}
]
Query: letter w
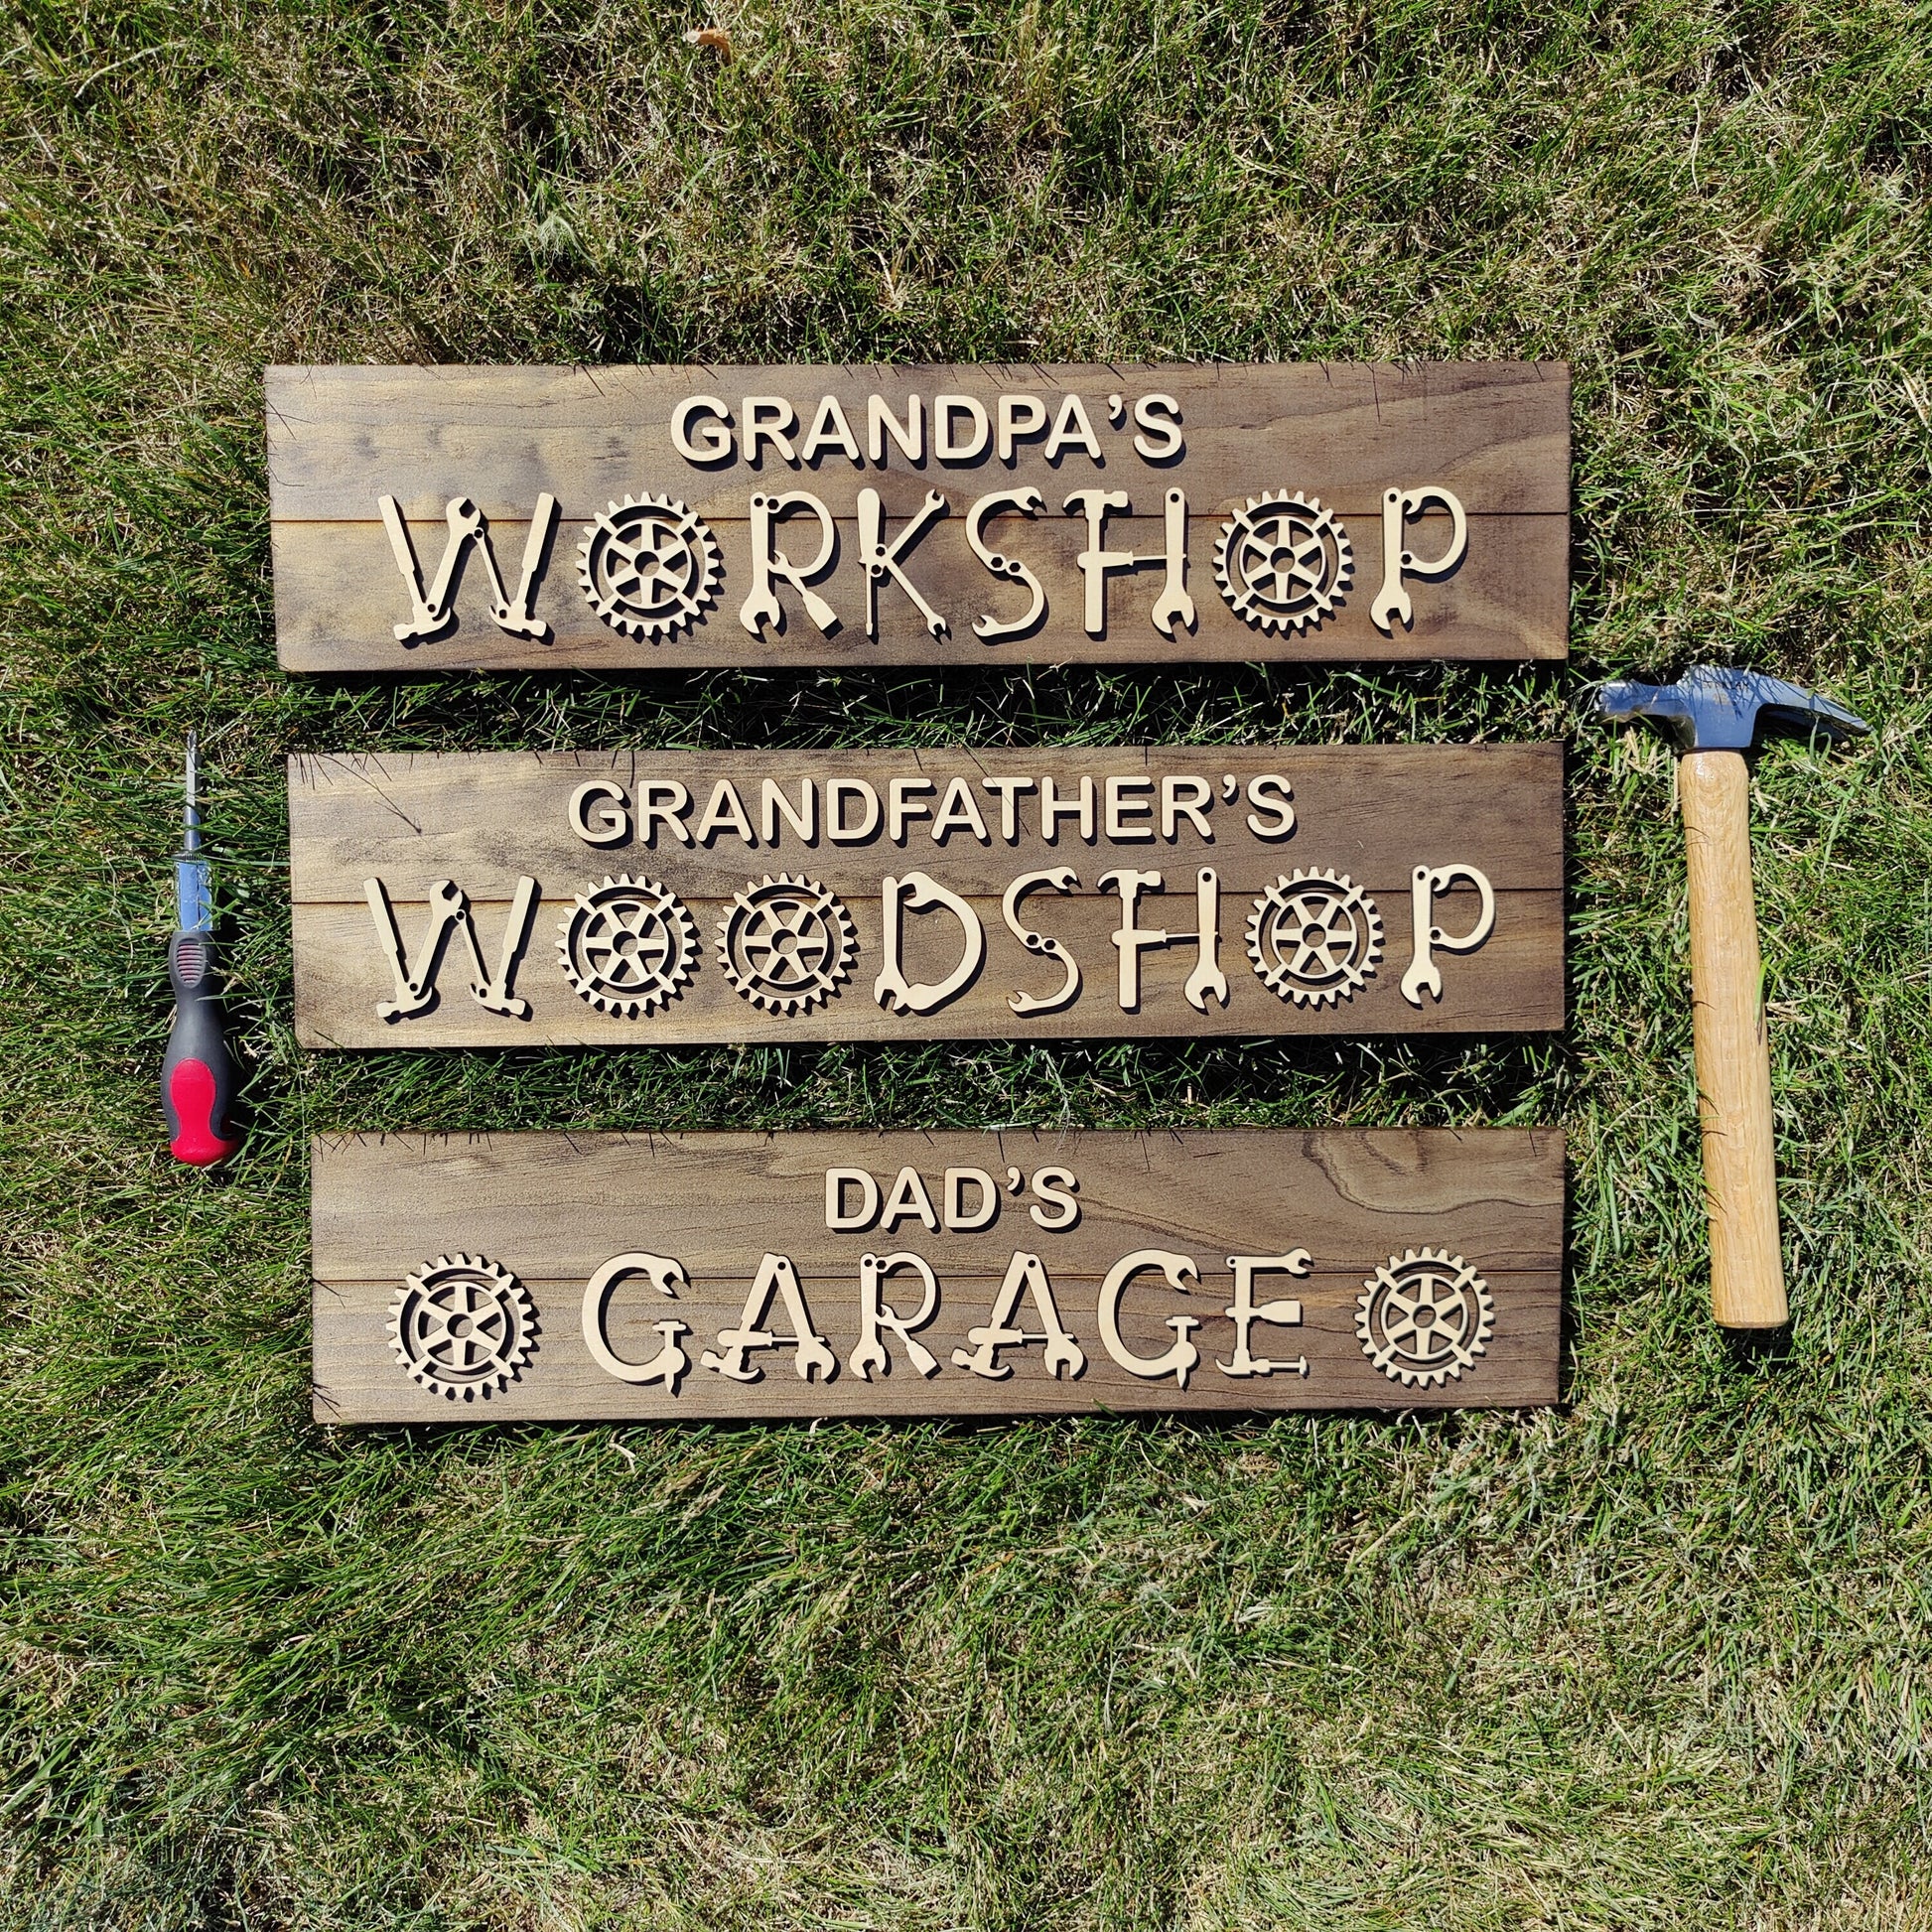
[{"x": 448, "y": 909}]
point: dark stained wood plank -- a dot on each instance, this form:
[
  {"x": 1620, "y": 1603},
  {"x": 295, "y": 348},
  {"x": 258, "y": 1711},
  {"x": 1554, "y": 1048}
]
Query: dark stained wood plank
[
  {"x": 1368, "y": 816},
  {"x": 339, "y": 438},
  {"x": 1496, "y": 432},
  {"x": 1513, "y": 985},
  {"x": 551, "y": 1211},
  {"x": 488, "y": 813}
]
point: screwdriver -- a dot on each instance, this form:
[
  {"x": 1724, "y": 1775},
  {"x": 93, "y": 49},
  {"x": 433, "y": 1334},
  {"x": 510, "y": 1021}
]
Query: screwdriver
[{"x": 198, "y": 1076}]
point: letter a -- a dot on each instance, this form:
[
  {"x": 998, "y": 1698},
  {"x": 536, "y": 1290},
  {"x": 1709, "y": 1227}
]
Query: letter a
[
  {"x": 1024, "y": 1272},
  {"x": 776, "y": 1272}
]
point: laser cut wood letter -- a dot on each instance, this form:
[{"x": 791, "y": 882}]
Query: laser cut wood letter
[
  {"x": 1026, "y": 502},
  {"x": 880, "y": 562},
  {"x": 769, "y": 565},
  {"x": 1181, "y": 1274},
  {"x": 775, "y": 1273},
  {"x": 1025, "y": 1274},
  {"x": 1244, "y": 1314},
  {"x": 837, "y": 1180},
  {"x": 713, "y": 442},
  {"x": 670, "y": 1362},
  {"x": 892, "y": 989},
  {"x": 1059, "y": 878},
  {"x": 450, "y": 910},
  {"x": 1392, "y": 601},
  {"x": 876, "y": 1316}
]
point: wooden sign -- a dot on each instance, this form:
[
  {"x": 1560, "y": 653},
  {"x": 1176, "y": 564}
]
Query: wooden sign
[
  {"x": 714, "y": 1276},
  {"x": 429, "y": 519},
  {"x": 638, "y": 897}
]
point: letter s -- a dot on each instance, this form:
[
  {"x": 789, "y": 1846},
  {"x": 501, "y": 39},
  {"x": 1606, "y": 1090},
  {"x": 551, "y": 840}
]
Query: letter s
[
  {"x": 1055, "y": 1188},
  {"x": 1269, "y": 791}
]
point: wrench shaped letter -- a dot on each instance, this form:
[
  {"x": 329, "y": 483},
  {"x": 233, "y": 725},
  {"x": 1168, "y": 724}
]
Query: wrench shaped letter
[
  {"x": 1398, "y": 505},
  {"x": 990, "y": 629},
  {"x": 1428, "y": 937},
  {"x": 670, "y": 1362},
  {"x": 762, "y": 607},
  {"x": 892, "y": 990}
]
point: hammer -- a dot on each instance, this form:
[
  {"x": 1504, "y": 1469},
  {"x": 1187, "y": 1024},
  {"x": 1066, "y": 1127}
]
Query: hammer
[{"x": 1715, "y": 715}]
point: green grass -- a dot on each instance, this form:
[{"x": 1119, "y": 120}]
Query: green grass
[{"x": 1663, "y": 1655}]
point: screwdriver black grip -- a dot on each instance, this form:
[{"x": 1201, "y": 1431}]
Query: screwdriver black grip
[{"x": 198, "y": 1076}]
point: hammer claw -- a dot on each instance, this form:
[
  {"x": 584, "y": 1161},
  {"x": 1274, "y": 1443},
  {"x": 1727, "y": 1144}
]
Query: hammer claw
[{"x": 1721, "y": 709}]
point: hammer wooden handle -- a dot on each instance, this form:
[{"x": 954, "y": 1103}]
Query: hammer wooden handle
[{"x": 1733, "y": 1062}]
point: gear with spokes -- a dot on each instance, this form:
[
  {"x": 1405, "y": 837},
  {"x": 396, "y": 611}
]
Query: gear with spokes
[
  {"x": 628, "y": 946},
  {"x": 648, "y": 566},
  {"x": 1314, "y": 937},
  {"x": 1282, "y": 562},
  {"x": 787, "y": 944},
  {"x": 463, "y": 1326},
  {"x": 1424, "y": 1316}
]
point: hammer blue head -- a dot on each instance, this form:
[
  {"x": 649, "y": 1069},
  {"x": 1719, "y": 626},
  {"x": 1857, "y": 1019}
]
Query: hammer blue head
[{"x": 1712, "y": 709}]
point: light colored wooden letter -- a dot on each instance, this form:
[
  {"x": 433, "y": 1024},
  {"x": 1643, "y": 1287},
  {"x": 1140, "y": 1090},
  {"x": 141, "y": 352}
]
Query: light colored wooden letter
[
  {"x": 892, "y": 989},
  {"x": 1162, "y": 414},
  {"x": 1018, "y": 416},
  {"x": 944, "y": 409},
  {"x": 1028, "y": 502},
  {"x": 1427, "y": 938},
  {"x": 776, "y": 1272},
  {"x": 803, "y": 821},
  {"x": 837, "y": 792},
  {"x": 830, "y": 431},
  {"x": 881, "y": 563},
  {"x": 1244, "y": 1314},
  {"x": 768, "y": 419},
  {"x": 612, "y": 825},
  {"x": 1073, "y": 428},
  {"x": 837, "y": 1180},
  {"x": 1181, "y": 1274},
  {"x": 881, "y": 423},
  {"x": 714, "y": 439},
  {"x": 874, "y": 1314},
  {"x": 1059, "y": 878},
  {"x": 1398, "y": 505},
  {"x": 1054, "y": 1187},
  {"x": 958, "y": 1219},
  {"x": 450, "y": 910},
  {"x": 432, "y": 612},
  {"x": 670, "y": 1362},
  {"x": 761, "y": 606},
  {"x": 1024, "y": 1274},
  {"x": 908, "y": 1201},
  {"x": 1096, "y": 560},
  {"x": 1132, "y": 941}
]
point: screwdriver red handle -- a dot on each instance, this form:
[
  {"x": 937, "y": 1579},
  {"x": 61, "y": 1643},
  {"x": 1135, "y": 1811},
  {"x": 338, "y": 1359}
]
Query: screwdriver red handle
[{"x": 198, "y": 1076}]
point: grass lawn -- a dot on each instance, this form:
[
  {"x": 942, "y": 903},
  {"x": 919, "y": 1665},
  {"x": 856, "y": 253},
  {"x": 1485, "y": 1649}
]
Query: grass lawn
[{"x": 1660, "y": 1656}]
